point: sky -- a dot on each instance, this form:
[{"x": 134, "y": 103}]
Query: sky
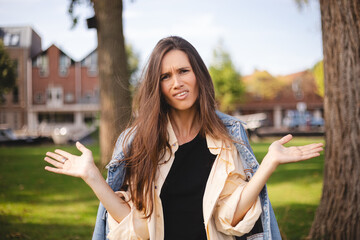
[{"x": 271, "y": 35}]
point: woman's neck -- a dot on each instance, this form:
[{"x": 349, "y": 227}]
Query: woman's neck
[{"x": 186, "y": 125}]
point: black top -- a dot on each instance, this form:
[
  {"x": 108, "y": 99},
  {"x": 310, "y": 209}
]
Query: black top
[{"x": 183, "y": 190}]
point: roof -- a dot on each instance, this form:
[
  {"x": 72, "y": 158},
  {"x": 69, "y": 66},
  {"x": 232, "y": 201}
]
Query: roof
[
  {"x": 264, "y": 91},
  {"x": 61, "y": 51}
]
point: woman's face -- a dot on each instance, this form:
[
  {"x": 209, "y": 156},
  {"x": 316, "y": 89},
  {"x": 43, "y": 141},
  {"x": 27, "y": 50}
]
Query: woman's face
[{"x": 178, "y": 82}]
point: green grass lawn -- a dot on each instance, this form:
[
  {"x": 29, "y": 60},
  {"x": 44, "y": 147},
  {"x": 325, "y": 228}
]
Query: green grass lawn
[{"x": 35, "y": 204}]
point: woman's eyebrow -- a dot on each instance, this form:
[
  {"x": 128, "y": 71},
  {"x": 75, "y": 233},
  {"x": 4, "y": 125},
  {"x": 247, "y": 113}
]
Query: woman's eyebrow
[
  {"x": 164, "y": 74},
  {"x": 181, "y": 68}
]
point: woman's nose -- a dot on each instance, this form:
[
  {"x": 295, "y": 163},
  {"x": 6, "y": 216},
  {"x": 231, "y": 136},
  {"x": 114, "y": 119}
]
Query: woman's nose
[{"x": 177, "y": 82}]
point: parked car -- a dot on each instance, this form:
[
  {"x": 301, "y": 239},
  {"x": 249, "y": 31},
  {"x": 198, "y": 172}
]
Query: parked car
[
  {"x": 296, "y": 119},
  {"x": 317, "y": 122},
  {"x": 8, "y": 137},
  {"x": 6, "y": 134}
]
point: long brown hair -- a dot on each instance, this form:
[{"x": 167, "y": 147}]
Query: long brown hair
[{"x": 149, "y": 126}]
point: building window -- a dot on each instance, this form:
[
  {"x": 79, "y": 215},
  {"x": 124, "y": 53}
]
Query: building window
[
  {"x": 16, "y": 66},
  {"x": 49, "y": 95},
  {"x": 42, "y": 62},
  {"x": 15, "y": 95},
  {"x": 91, "y": 63},
  {"x": 54, "y": 97},
  {"x": 88, "y": 97},
  {"x": 64, "y": 63},
  {"x": 12, "y": 39},
  {"x": 89, "y": 118},
  {"x": 39, "y": 98},
  {"x": 56, "y": 117},
  {"x": 2, "y": 118}
]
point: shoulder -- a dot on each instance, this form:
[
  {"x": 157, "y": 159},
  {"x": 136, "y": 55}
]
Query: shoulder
[
  {"x": 227, "y": 119},
  {"x": 234, "y": 126},
  {"x": 118, "y": 154},
  {"x": 238, "y": 133}
]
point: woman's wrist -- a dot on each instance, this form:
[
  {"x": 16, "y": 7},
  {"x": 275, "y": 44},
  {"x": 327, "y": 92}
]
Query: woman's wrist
[
  {"x": 92, "y": 175},
  {"x": 270, "y": 163}
]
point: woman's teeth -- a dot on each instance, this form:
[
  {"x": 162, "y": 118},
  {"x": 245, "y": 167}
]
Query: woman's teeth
[{"x": 180, "y": 94}]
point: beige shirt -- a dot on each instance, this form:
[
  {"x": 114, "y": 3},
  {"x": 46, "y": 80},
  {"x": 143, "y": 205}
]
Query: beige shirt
[{"x": 222, "y": 193}]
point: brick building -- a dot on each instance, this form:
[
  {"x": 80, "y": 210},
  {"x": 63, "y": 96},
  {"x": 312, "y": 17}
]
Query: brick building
[
  {"x": 21, "y": 43},
  {"x": 53, "y": 89},
  {"x": 65, "y": 92}
]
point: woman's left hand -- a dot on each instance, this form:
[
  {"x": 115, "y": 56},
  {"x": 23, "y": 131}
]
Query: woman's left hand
[
  {"x": 280, "y": 154},
  {"x": 277, "y": 154},
  {"x": 72, "y": 165}
]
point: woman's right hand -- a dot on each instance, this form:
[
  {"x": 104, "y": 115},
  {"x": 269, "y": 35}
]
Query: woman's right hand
[{"x": 82, "y": 166}]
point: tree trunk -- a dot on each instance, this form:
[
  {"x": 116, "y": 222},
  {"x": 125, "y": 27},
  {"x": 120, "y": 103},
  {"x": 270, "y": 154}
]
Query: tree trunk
[
  {"x": 115, "y": 101},
  {"x": 338, "y": 214}
]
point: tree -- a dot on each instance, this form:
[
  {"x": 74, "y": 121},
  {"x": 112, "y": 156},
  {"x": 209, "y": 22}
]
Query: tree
[
  {"x": 7, "y": 72},
  {"x": 318, "y": 71},
  {"x": 227, "y": 81},
  {"x": 264, "y": 85},
  {"x": 115, "y": 98},
  {"x": 338, "y": 214}
]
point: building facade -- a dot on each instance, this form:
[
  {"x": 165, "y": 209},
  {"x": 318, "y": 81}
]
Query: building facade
[
  {"x": 64, "y": 92},
  {"x": 53, "y": 90},
  {"x": 284, "y": 99},
  {"x": 21, "y": 43}
]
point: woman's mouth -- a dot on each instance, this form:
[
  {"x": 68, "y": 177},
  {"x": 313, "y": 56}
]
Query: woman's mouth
[{"x": 181, "y": 95}]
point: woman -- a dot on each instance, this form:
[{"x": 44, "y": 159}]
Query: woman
[{"x": 185, "y": 171}]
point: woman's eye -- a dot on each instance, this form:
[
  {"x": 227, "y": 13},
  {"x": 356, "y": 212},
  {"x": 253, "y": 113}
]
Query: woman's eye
[
  {"x": 164, "y": 77},
  {"x": 183, "y": 70}
]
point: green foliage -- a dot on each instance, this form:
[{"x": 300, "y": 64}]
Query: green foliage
[
  {"x": 301, "y": 3},
  {"x": 318, "y": 71},
  {"x": 133, "y": 63},
  {"x": 71, "y": 9},
  {"x": 263, "y": 85},
  {"x": 227, "y": 81},
  {"x": 7, "y": 71}
]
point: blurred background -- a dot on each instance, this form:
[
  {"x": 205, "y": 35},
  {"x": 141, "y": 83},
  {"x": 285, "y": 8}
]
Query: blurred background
[
  {"x": 273, "y": 50},
  {"x": 265, "y": 58}
]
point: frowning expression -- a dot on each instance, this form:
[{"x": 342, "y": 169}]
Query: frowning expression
[{"x": 178, "y": 82}]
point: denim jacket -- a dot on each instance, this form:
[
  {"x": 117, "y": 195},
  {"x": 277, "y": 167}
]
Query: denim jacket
[{"x": 116, "y": 175}]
